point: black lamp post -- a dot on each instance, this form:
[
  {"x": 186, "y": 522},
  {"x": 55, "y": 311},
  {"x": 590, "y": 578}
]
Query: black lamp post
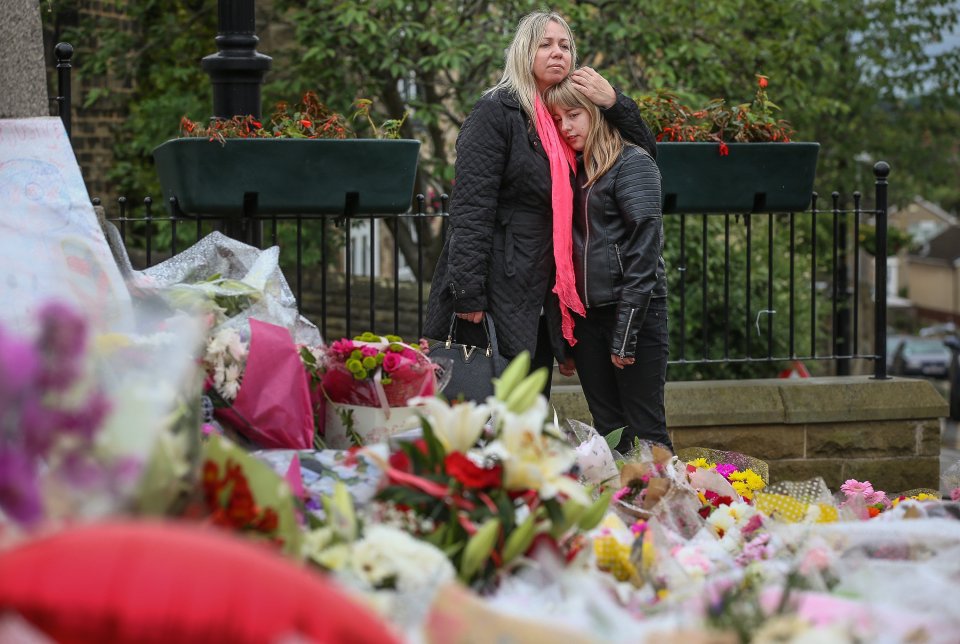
[
  {"x": 237, "y": 69},
  {"x": 236, "y": 73}
]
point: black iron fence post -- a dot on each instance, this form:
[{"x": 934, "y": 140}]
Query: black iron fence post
[
  {"x": 237, "y": 69},
  {"x": 64, "y": 54},
  {"x": 881, "y": 171}
]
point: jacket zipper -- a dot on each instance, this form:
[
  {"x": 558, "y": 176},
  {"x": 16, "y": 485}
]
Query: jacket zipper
[
  {"x": 586, "y": 245},
  {"x": 626, "y": 334},
  {"x": 616, "y": 247}
]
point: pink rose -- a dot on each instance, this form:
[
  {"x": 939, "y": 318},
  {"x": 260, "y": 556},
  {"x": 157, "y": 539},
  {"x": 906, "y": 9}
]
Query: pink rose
[
  {"x": 955, "y": 494},
  {"x": 369, "y": 351},
  {"x": 392, "y": 362},
  {"x": 409, "y": 354}
]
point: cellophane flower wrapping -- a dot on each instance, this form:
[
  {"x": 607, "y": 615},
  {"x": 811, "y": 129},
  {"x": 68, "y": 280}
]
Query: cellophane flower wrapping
[
  {"x": 84, "y": 414},
  {"x": 595, "y": 459},
  {"x": 229, "y": 282},
  {"x": 273, "y": 405}
]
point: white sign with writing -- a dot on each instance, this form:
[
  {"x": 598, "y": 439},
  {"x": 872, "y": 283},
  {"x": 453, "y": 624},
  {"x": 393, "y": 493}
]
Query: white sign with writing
[{"x": 51, "y": 245}]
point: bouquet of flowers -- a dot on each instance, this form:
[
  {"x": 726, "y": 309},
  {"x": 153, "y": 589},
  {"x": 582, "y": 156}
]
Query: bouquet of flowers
[
  {"x": 866, "y": 503},
  {"x": 261, "y": 386},
  {"x": 368, "y": 383},
  {"x": 373, "y": 371},
  {"x": 51, "y": 412},
  {"x": 487, "y": 495},
  {"x": 644, "y": 480},
  {"x": 723, "y": 477}
]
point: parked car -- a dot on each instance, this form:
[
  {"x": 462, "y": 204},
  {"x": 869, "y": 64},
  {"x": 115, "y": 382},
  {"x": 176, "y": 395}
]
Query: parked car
[
  {"x": 893, "y": 343},
  {"x": 921, "y": 357}
]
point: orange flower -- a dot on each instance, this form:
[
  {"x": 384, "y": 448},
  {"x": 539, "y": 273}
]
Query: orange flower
[
  {"x": 762, "y": 81},
  {"x": 305, "y": 123}
]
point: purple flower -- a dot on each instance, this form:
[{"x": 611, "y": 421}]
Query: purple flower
[
  {"x": 19, "y": 365},
  {"x": 19, "y": 487},
  {"x": 62, "y": 340},
  {"x": 63, "y": 331}
]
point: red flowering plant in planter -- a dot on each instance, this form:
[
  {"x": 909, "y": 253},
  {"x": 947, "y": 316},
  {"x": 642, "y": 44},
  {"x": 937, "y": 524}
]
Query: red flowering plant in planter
[
  {"x": 723, "y": 158},
  {"x": 752, "y": 122},
  {"x": 308, "y": 119}
]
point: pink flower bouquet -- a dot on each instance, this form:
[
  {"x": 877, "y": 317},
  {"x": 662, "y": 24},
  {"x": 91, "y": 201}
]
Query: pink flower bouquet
[{"x": 374, "y": 371}]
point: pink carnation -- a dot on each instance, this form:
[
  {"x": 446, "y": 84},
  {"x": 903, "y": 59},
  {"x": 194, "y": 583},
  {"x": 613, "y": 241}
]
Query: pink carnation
[
  {"x": 369, "y": 351},
  {"x": 726, "y": 469},
  {"x": 955, "y": 494},
  {"x": 343, "y": 347},
  {"x": 409, "y": 354},
  {"x": 622, "y": 492}
]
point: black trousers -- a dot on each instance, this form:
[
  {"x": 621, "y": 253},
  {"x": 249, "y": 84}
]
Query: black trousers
[
  {"x": 474, "y": 334},
  {"x": 631, "y": 397}
]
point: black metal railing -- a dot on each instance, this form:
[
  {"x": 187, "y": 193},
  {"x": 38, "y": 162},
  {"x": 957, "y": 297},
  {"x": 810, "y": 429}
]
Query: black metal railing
[{"x": 777, "y": 295}]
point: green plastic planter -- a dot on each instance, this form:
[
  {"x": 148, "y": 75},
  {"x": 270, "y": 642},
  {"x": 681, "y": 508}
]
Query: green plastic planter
[
  {"x": 753, "y": 177},
  {"x": 288, "y": 176}
]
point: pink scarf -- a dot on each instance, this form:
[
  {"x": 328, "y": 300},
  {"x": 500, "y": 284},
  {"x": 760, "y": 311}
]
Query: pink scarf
[{"x": 562, "y": 161}]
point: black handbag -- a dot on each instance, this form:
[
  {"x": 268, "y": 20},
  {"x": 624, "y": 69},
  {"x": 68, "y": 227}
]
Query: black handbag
[{"x": 472, "y": 369}]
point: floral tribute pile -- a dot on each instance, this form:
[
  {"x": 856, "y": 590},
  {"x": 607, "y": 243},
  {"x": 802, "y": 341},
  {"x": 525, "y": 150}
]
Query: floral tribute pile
[{"x": 533, "y": 524}]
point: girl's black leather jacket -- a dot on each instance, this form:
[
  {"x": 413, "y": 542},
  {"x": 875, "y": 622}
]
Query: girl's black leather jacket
[{"x": 618, "y": 243}]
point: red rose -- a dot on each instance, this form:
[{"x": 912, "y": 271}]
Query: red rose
[
  {"x": 469, "y": 474},
  {"x": 400, "y": 461}
]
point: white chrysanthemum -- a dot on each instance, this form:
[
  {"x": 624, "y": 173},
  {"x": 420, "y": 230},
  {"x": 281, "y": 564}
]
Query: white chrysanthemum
[
  {"x": 387, "y": 554},
  {"x": 721, "y": 520}
]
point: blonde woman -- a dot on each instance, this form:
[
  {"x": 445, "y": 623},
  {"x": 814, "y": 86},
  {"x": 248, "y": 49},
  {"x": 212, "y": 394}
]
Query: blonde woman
[
  {"x": 512, "y": 193},
  {"x": 620, "y": 346}
]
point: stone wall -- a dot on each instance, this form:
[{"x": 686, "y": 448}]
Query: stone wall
[{"x": 887, "y": 431}]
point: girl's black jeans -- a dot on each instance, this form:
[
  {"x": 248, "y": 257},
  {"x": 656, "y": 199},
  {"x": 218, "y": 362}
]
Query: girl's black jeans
[{"x": 631, "y": 397}]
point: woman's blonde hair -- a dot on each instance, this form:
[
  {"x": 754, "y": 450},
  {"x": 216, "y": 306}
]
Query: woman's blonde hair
[
  {"x": 518, "y": 65},
  {"x": 604, "y": 145}
]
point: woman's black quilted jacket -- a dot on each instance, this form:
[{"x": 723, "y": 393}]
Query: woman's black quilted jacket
[{"x": 498, "y": 255}]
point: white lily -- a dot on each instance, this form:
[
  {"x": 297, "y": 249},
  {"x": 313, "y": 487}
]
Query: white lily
[
  {"x": 457, "y": 427},
  {"x": 536, "y": 461},
  {"x": 529, "y": 421}
]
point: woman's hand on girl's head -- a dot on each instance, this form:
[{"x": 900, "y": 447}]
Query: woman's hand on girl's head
[
  {"x": 619, "y": 362},
  {"x": 594, "y": 86}
]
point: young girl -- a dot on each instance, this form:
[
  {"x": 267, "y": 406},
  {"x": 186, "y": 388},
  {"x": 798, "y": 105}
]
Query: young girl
[{"x": 620, "y": 347}]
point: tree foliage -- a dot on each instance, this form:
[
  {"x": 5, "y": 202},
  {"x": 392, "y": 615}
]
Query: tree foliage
[{"x": 865, "y": 78}]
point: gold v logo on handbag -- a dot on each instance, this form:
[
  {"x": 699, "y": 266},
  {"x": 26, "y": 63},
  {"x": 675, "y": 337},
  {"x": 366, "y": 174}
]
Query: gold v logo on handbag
[{"x": 467, "y": 351}]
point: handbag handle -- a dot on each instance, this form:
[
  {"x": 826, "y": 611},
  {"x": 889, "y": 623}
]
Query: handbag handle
[{"x": 490, "y": 330}]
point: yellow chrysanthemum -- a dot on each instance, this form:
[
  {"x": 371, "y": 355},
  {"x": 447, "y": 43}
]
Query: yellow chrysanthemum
[
  {"x": 614, "y": 557},
  {"x": 753, "y": 480},
  {"x": 702, "y": 463},
  {"x": 923, "y": 496},
  {"x": 742, "y": 489}
]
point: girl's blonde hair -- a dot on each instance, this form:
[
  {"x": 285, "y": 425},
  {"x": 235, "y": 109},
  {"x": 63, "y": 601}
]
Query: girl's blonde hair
[
  {"x": 518, "y": 65},
  {"x": 604, "y": 145}
]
